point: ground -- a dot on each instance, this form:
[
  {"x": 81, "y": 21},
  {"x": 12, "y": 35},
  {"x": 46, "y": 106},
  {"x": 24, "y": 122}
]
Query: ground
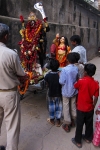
[{"x": 36, "y": 133}]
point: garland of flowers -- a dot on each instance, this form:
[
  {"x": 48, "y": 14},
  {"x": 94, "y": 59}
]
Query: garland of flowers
[
  {"x": 29, "y": 43},
  {"x": 23, "y": 89},
  {"x": 30, "y": 39},
  {"x": 30, "y": 34}
]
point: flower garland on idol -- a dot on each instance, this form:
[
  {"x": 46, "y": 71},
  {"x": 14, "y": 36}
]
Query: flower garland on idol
[
  {"x": 29, "y": 44},
  {"x": 29, "y": 47}
]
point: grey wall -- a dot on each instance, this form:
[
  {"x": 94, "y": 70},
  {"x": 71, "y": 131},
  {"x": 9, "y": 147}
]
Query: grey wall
[{"x": 67, "y": 17}]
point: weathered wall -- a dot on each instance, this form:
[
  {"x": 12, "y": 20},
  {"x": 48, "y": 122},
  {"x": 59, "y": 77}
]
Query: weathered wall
[{"x": 67, "y": 17}]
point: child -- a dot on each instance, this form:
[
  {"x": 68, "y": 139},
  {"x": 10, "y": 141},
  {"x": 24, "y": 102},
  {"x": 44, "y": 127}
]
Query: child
[
  {"x": 88, "y": 92},
  {"x": 96, "y": 138},
  {"x": 54, "y": 94},
  {"x": 68, "y": 77},
  {"x": 80, "y": 66}
]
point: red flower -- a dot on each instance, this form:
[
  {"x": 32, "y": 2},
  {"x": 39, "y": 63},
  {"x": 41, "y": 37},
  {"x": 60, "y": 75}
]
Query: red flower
[{"x": 21, "y": 19}]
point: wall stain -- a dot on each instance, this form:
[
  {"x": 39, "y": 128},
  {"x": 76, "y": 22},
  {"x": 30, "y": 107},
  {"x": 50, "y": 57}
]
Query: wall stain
[
  {"x": 88, "y": 34},
  {"x": 82, "y": 34},
  {"x": 80, "y": 20}
]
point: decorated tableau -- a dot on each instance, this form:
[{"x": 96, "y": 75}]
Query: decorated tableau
[{"x": 33, "y": 46}]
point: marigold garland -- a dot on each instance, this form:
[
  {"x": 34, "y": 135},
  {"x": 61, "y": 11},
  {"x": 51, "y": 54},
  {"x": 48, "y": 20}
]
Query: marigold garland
[
  {"x": 30, "y": 35},
  {"x": 30, "y": 39},
  {"x": 26, "y": 84}
]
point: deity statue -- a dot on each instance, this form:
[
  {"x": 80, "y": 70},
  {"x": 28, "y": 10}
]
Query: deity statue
[
  {"x": 62, "y": 50},
  {"x": 34, "y": 40},
  {"x": 33, "y": 43}
]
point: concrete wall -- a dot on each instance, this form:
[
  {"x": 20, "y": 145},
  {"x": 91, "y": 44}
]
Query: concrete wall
[{"x": 67, "y": 17}]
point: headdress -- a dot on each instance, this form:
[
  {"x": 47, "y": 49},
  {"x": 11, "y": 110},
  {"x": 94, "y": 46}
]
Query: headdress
[{"x": 32, "y": 16}]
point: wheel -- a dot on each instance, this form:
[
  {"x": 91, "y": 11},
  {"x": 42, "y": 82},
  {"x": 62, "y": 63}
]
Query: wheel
[{"x": 35, "y": 92}]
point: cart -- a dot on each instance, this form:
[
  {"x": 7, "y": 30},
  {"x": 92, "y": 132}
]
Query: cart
[{"x": 35, "y": 88}]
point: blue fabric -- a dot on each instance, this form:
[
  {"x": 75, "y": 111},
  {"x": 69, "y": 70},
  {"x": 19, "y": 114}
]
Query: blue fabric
[
  {"x": 68, "y": 76},
  {"x": 55, "y": 107},
  {"x": 59, "y": 69}
]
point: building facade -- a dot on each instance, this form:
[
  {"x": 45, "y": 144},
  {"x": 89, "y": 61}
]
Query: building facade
[
  {"x": 94, "y": 3},
  {"x": 99, "y": 4},
  {"x": 66, "y": 17}
]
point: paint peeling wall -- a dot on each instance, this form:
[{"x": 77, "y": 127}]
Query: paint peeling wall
[{"x": 67, "y": 17}]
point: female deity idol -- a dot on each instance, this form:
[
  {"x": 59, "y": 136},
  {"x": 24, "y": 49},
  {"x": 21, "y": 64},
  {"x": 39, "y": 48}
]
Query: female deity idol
[{"x": 62, "y": 50}]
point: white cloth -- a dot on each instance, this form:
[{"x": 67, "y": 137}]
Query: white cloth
[
  {"x": 69, "y": 109},
  {"x": 98, "y": 116},
  {"x": 10, "y": 68},
  {"x": 82, "y": 51},
  {"x": 80, "y": 70},
  {"x": 38, "y": 68}
]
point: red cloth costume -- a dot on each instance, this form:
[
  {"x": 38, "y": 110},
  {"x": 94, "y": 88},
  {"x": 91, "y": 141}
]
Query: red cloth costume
[{"x": 62, "y": 57}]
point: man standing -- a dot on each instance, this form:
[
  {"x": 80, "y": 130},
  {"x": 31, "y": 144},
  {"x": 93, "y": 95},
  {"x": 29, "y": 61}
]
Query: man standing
[
  {"x": 10, "y": 69},
  {"x": 76, "y": 43}
]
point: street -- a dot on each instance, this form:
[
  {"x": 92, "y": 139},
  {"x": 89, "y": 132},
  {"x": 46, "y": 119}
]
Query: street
[{"x": 36, "y": 133}]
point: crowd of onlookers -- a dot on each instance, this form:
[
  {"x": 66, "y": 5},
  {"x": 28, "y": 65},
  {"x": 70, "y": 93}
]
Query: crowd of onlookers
[{"x": 73, "y": 91}]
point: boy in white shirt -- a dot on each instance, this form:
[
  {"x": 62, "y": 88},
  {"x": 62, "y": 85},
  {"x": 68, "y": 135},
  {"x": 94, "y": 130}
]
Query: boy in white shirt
[{"x": 76, "y": 43}]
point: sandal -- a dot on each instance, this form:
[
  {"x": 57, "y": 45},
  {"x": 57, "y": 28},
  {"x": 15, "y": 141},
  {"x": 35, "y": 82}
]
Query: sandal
[
  {"x": 87, "y": 141},
  {"x": 77, "y": 144},
  {"x": 58, "y": 123},
  {"x": 51, "y": 121},
  {"x": 66, "y": 127}
]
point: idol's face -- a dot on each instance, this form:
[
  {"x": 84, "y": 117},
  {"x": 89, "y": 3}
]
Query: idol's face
[
  {"x": 32, "y": 23},
  {"x": 62, "y": 40}
]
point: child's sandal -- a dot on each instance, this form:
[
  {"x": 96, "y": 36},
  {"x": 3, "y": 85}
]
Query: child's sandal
[
  {"x": 66, "y": 127},
  {"x": 58, "y": 123},
  {"x": 51, "y": 121}
]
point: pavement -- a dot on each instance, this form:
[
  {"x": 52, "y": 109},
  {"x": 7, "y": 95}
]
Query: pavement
[{"x": 36, "y": 133}]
